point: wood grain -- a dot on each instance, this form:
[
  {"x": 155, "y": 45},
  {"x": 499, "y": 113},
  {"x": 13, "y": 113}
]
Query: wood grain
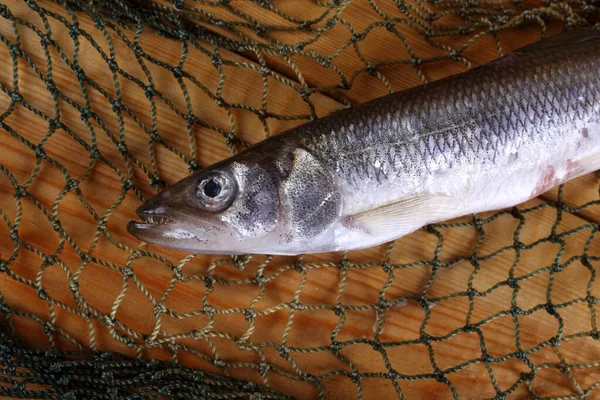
[{"x": 102, "y": 282}]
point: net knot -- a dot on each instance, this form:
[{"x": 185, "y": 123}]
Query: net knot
[
  {"x": 74, "y": 31},
  {"x": 472, "y": 292},
  {"x": 260, "y": 30},
  {"x": 249, "y": 314},
  {"x": 338, "y": 310},
  {"x": 425, "y": 337},
  {"x": 193, "y": 166},
  {"x": 402, "y": 7},
  {"x": 137, "y": 50},
  {"x": 155, "y": 137},
  {"x": 95, "y": 153},
  {"x": 16, "y": 96},
  {"x": 85, "y": 258},
  {"x": 562, "y": 367},
  {"x": 112, "y": 64},
  {"x": 13, "y": 50},
  {"x": 177, "y": 72},
  {"x": 554, "y": 238},
  {"x": 74, "y": 286},
  {"x": 260, "y": 279},
  {"x": 183, "y": 35},
  {"x": 384, "y": 304},
  {"x": 41, "y": 293},
  {"x": 19, "y": 192},
  {"x": 80, "y": 74},
  {"x": 4, "y": 11},
  {"x": 528, "y": 376},
  {"x": 516, "y": 310},
  {"x": 126, "y": 185},
  {"x": 376, "y": 346},
  {"x": 512, "y": 283},
  {"x": 191, "y": 119},
  {"x": 209, "y": 310},
  {"x": 554, "y": 341},
  {"x": 336, "y": 346},
  {"x": 53, "y": 124},
  {"x": 557, "y": 267},
  {"x": 51, "y": 86},
  {"x": 591, "y": 300},
  {"x": 71, "y": 185},
  {"x": 40, "y": 153},
  {"x": 595, "y": 334},
  {"x": 389, "y": 25},
  {"x": 99, "y": 22},
  {"x": 46, "y": 41},
  {"x": 155, "y": 180},
  {"x": 220, "y": 102},
  {"x": 209, "y": 281},
  {"x": 14, "y": 232},
  {"x": 520, "y": 354},
  {"x": 149, "y": 91},
  {"x": 355, "y": 377},
  {"x": 387, "y": 267},
  {"x": 310, "y": 378},
  {"x": 3, "y": 267},
  {"x": 585, "y": 261},
  {"x": 325, "y": 61},
  {"x": 474, "y": 261},
  {"x": 284, "y": 352},
  {"x": 469, "y": 328},
  {"x": 516, "y": 213},
  {"x": 216, "y": 61},
  {"x": 519, "y": 245},
  {"x": 330, "y": 24},
  {"x": 56, "y": 225},
  {"x": 306, "y": 25},
  {"x": 487, "y": 358},
  {"x": 219, "y": 363},
  {"x": 159, "y": 309},
  {"x": 440, "y": 377},
  {"x": 550, "y": 309},
  {"x": 295, "y": 305},
  {"x": 49, "y": 260},
  {"x": 372, "y": 70},
  {"x": 393, "y": 375},
  {"x": 299, "y": 267}
]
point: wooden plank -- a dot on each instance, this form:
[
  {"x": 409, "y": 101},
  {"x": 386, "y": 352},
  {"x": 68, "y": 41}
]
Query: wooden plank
[{"x": 100, "y": 285}]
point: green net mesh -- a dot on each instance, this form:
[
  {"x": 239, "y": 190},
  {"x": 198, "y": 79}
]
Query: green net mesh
[{"x": 105, "y": 102}]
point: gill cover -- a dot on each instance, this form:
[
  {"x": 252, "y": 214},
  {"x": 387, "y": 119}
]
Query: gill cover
[{"x": 309, "y": 196}]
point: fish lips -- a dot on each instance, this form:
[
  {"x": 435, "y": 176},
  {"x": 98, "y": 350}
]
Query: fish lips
[
  {"x": 152, "y": 221},
  {"x": 162, "y": 225}
]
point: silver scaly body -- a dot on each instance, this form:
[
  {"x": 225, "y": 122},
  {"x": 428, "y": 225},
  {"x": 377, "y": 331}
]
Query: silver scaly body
[{"x": 486, "y": 139}]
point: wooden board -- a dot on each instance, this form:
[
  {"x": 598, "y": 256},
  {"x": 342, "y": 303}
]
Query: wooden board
[{"x": 102, "y": 285}]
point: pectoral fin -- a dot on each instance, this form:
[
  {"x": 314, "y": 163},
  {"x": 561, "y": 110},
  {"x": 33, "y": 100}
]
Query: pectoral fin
[{"x": 403, "y": 216}]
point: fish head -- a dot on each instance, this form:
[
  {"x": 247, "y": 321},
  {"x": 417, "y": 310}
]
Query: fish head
[
  {"x": 215, "y": 210},
  {"x": 263, "y": 202}
]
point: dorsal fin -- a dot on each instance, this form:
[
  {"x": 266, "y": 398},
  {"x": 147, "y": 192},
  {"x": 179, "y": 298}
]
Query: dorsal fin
[{"x": 563, "y": 39}]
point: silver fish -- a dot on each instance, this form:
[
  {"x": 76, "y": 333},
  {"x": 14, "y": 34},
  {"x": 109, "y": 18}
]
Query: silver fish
[{"x": 486, "y": 139}]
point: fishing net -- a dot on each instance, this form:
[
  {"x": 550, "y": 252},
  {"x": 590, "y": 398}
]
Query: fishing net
[{"x": 103, "y": 103}]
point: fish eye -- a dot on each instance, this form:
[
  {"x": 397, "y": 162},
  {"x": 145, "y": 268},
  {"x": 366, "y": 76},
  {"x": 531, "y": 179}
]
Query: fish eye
[
  {"x": 216, "y": 191},
  {"x": 212, "y": 188}
]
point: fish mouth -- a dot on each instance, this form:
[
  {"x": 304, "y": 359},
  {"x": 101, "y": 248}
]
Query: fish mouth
[{"x": 149, "y": 219}]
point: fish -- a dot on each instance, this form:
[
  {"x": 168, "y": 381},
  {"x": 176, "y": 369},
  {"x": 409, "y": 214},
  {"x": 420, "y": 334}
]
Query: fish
[{"x": 486, "y": 139}]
